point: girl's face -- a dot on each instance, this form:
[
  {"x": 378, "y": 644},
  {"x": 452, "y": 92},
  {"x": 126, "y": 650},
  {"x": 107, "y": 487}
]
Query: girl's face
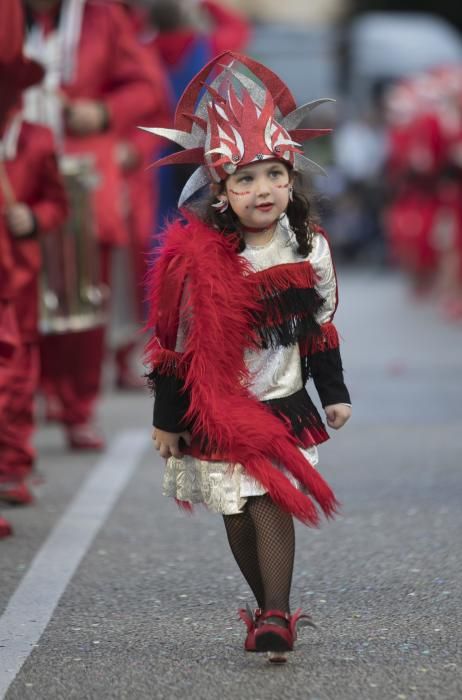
[{"x": 259, "y": 193}]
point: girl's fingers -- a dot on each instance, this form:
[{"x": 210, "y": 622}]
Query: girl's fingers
[
  {"x": 337, "y": 416},
  {"x": 337, "y": 423},
  {"x": 170, "y": 448},
  {"x": 164, "y": 451},
  {"x": 334, "y": 422}
]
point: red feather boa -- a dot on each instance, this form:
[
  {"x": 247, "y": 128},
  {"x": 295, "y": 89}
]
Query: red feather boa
[{"x": 223, "y": 296}]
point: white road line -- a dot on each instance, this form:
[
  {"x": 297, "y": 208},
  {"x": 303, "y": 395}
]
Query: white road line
[{"x": 32, "y": 605}]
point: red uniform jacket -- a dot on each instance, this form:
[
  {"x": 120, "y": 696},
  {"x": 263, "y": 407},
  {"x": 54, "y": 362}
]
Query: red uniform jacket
[
  {"x": 35, "y": 181},
  {"x": 111, "y": 68}
]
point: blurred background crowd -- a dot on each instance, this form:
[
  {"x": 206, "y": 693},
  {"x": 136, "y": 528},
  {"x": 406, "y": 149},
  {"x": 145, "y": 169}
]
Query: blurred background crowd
[{"x": 82, "y": 211}]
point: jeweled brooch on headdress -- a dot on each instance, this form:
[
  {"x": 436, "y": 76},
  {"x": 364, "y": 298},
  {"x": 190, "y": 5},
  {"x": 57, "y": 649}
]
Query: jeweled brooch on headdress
[{"x": 236, "y": 111}]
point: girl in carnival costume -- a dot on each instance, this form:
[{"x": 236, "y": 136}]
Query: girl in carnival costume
[{"x": 242, "y": 297}]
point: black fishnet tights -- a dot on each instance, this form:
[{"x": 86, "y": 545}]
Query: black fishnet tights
[{"x": 262, "y": 540}]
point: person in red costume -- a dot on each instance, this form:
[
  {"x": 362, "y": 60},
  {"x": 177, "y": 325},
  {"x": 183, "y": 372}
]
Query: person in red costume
[
  {"x": 14, "y": 69},
  {"x": 243, "y": 295},
  {"x": 134, "y": 155},
  {"x": 11, "y": 63},
  {"x": 32, "y": 204},
  {"x": 416, "y": 160},
  {"x": 97, "y": 84}
]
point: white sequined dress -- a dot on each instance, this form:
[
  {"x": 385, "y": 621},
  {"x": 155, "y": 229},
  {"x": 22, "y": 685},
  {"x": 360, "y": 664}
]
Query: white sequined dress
[{"x": 274, "y": 372}]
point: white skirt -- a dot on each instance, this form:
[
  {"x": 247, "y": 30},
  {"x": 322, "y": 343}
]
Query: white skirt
[{"x": 221, "y": 486}]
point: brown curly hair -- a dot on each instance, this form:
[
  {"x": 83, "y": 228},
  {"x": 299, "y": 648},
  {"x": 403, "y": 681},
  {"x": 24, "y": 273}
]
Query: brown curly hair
[{"x": 299, "y": 213}]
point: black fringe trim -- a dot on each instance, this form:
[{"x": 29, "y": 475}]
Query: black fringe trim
[
  {"x": 288, "y": 333},
  {"x": 299, "y": 409},
  {"x": 287, "y": 317},
  {"x": 290, "y": 302}
]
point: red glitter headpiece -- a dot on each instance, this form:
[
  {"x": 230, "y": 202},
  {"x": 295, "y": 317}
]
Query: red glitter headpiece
[{"x": 227, "y": 118}]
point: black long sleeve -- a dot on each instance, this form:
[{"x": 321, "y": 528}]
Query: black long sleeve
[
  {"x": 170, "y": 404},
  {"x": 327, "y": 373}
]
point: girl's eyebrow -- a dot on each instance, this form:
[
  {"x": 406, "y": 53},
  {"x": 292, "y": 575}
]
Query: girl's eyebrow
[{"x": 249, "y": 173}]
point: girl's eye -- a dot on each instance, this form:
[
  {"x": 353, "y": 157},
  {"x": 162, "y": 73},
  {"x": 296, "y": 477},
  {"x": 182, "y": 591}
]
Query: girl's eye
[
  {"x": 245, "y": 178},
  {"x": 275, "y": 173}
]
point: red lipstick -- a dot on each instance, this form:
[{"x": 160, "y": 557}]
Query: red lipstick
[{"x": 265, "y": 207}]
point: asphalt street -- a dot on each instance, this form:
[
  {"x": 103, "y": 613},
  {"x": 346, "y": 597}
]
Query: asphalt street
[{"x": 108, "y": 591}]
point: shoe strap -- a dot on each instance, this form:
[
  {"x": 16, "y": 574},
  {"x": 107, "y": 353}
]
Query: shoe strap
[{"x": 275, "y": 613}]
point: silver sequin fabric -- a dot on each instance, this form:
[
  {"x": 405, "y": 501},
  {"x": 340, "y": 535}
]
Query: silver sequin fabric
[
  {"x": 274, "y": 373},
  {"x": 222, "y": 487}
]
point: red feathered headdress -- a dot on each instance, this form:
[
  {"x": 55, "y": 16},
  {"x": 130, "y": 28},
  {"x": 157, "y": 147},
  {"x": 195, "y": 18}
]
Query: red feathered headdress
[{"x": 235, "y": 112}]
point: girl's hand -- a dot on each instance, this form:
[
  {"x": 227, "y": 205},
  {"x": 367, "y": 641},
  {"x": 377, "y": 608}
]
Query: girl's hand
[
  {"x": 168, "y": 444},
  {"x": 337, "y": 415}
]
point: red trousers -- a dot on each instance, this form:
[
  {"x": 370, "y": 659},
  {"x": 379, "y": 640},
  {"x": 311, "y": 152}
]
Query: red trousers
[
  {"x": 72, "y": 365},
  {"x": 18, "y": 384},
  {"x": 9, "y": 333}
]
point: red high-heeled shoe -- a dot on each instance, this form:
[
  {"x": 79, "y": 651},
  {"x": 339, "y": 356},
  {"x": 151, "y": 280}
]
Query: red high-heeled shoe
[
  {"x": 251, "y": 620},
  {"x": 277, "y": 639}
]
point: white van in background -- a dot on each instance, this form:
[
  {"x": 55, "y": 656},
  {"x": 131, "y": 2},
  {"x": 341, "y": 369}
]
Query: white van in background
[{"x": 385, "y": 46}]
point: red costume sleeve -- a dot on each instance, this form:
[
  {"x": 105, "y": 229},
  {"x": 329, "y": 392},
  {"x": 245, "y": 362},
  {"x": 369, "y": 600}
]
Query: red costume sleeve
[
  {"x": 11, "y": 30},
  {"x": 138, "y": 89},
  {"x": 231, "y": 31},
  {"x": 51, "y": 209},
  {"x": 162, "y": 115}
]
